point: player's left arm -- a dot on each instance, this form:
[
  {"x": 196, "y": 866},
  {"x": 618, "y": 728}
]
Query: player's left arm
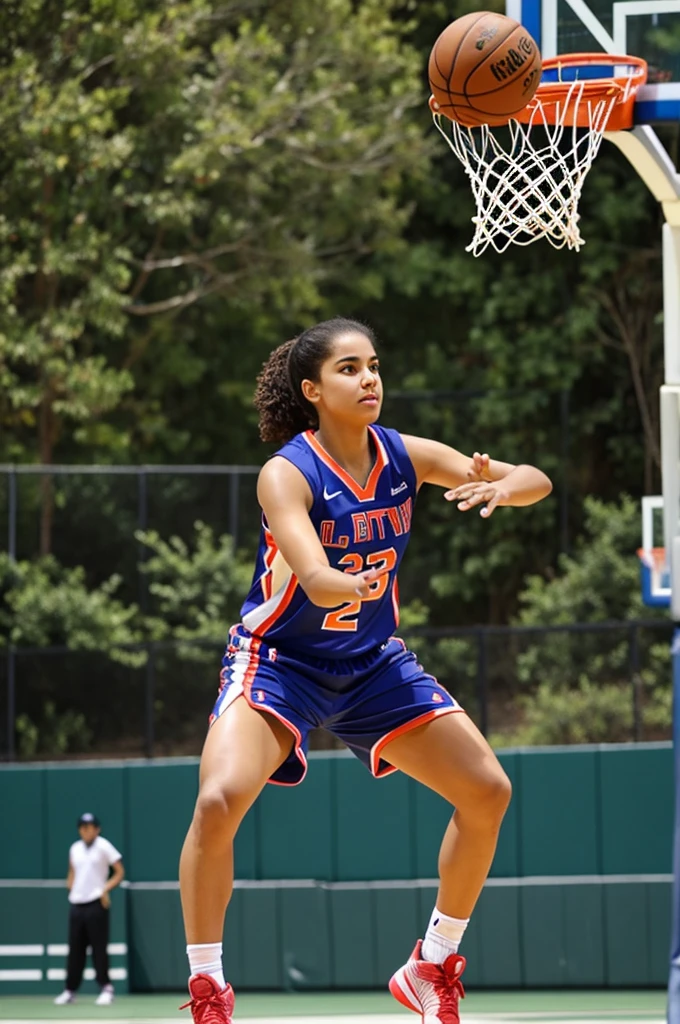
[
  {"x": 116, "y": 877},
  {"x": 478, "y": 480}
]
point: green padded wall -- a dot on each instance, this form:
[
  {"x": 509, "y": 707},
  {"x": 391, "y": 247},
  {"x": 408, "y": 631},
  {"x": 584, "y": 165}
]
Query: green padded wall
[
  {"x": 572, "y": 813},
  {"x": 640, "y": 910},
  {"x": 497, "y": 918},
  {"x": 396, "y": 914},
  {"x": 157, "y": 957},
  {"x": 306, "y": 951},
  {"x": 352, "y": 930},
  {"x": 559, "y": 789},
  {"x": 354, "y": 935},
  {"x": 22, "y": 813},
  {"x": 376, "y": 837},
  {"x": 432, "y": 815},
  {"x": 594, "y": 813},
  {"x": 69, "y": 792},
  {"x": 159, "y": 801},
  {"x": 562, "y": 935},
  {"x": 658, "y": 931},
  {"x": 506, "y": 863},
  {"x": 36, "y": 918},
  {"x": 261, "y": 964},
  {"x": 297, "y": 826},
  {"x": 636, "y": 809},
  {"x": 23, "y": 923}
]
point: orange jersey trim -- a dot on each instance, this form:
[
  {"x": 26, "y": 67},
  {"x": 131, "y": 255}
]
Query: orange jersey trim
[
  {"x": 378, "y": 747},
  {"x": 366, "y": 493}
]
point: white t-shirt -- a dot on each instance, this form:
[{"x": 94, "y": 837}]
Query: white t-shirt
[{"x": 91, "y": 868}]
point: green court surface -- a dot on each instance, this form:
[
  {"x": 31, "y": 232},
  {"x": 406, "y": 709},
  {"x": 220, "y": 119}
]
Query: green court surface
[{"x": 581, "y": 1007}]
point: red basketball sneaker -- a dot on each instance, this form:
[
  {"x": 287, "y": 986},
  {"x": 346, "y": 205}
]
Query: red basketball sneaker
[
  {"x": 209, "y": 1003},
  {"x": 432, "y": 990}
]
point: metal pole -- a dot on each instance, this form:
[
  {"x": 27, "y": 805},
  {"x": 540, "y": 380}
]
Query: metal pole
[
  {"x": 482, "y": 679},
  {"x": 673, "y": 1011},
  {"x": 12, "y": 515},
  {"x": 11, "y": 654},
  {"x": 564, "y": 455},
  {"x": 149, "y": 711},
  {"x": 11, "y": 702},
  {"x": 234, "y": 488},
  {"x": 634, "y": 662},
  {"x": 142, "y": 524}
]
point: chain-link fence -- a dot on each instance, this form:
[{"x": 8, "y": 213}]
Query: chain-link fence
[
  {"x": 605, "y": 682},
  {"x": 571, "y": 683},
  {"x": 88, "y": 515}
]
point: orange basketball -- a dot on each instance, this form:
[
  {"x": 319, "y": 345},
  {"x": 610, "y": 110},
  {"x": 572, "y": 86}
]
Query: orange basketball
[{"x": 483, "y": 69}]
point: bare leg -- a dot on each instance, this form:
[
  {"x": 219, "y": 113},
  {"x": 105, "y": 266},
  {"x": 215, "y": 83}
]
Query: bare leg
[
  {"x": 243, "y": 748},
  {"x": 450, "y": 756}
]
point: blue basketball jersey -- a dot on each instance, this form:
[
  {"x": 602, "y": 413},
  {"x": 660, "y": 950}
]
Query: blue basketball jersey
[{"x": 360, "y": 528}]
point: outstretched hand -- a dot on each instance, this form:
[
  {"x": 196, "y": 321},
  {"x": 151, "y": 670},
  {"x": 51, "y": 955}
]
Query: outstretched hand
[
  {"x": 479, "y": 468},
  {"x": 489, "y": 494}
]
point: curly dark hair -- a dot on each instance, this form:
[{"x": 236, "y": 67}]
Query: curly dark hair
[{"x": 283, "y": 410}]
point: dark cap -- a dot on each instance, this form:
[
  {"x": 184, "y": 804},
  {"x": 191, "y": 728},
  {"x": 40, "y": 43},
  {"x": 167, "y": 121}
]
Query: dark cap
[{"x": 88, "y": 819}]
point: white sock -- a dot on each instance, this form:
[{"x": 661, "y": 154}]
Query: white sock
[
  {"x": 206, "y": 958},
  {"x": 443, "y": 936}
]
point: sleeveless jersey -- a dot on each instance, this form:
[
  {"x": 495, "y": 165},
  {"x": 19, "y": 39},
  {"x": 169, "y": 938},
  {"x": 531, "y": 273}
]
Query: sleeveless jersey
[{"x": 360, "y": 528}]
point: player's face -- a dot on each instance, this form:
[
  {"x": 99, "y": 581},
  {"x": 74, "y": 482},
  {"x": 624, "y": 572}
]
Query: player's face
[
  {"x": 350, "y": 387},
  {"x": 88, "y": 833}
]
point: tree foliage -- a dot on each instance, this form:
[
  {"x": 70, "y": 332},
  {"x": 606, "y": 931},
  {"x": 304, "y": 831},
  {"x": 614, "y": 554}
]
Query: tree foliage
[
  {"x": 159, "y": 155},
  {"x": 45, "y": 604},
  {"x": 183, "y": 185},
  {"x": 197, "y": 589},
  {"x": 576, "y": 686}
]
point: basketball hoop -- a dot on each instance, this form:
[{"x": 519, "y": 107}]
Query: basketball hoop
[
  {"x": 654, "y": 577},
  {"x": 529, "y": 187}
]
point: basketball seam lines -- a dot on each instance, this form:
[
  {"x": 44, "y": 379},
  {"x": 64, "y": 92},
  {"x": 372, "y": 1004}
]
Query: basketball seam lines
[
  {"x": 487, "y": 92},
  {"x": 490, "y": 54},
  {"x": 436, "y": 64},
  {"x": 458, "y": 49}
]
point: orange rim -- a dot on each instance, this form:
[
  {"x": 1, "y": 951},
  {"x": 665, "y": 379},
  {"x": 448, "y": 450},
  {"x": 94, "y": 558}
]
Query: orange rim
[
  {"x": 551, "y": 97},
  {"x": 652, "y": 556}
]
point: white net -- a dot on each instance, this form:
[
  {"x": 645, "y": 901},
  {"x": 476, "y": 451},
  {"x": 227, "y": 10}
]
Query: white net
[{"x": 527, "y": 179}]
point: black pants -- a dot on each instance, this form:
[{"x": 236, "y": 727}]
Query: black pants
[{"x": 88, "y": 925}]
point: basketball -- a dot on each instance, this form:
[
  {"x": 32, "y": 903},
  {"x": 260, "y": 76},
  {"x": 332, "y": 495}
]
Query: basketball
[{"x": 484, "y": 68}]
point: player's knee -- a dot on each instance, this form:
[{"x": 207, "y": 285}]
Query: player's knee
[
  {"x": 217, "y": 812},
  {"x": 500, "y": 793},
  {"x": 487, "y": 801}
]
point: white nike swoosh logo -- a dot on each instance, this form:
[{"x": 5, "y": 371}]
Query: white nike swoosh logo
[
  {"x": 328, "y": 496},
  {"x": 397, "y": 490}
]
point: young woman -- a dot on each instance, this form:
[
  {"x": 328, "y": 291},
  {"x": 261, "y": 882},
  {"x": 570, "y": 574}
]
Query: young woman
[{"x": 315, "y": 648}]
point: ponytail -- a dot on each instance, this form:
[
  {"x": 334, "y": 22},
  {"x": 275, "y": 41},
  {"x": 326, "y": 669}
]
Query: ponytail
[
  {"x": 281, "y": 416},
  {"x": 283, "y": 409}
]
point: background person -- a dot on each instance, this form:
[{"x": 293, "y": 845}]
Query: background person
[{"x": 91, "y": 860}]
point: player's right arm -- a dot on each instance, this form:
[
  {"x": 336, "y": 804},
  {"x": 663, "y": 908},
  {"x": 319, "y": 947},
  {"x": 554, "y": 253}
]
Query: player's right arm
[
  {"x": 69, "y": 876},
  {"x": 286, "y": 498}
]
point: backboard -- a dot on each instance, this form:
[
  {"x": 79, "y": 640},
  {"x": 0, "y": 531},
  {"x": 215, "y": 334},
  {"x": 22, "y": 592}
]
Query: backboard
[
  {"x": 654, "y": 571},
  {"x": 642, "y": 28}
]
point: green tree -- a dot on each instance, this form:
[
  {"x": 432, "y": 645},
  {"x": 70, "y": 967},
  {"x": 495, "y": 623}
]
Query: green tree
[
  {"x": 155, "y": 155},
  {"x": 44, "y": 604},
  {"x": 197, "y": 589},
  {"x": 576, "y": 686}
]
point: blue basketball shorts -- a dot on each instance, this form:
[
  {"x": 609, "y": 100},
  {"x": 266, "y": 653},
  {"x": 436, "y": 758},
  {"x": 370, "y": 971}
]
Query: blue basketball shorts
[{"x": 365, "y": 701}]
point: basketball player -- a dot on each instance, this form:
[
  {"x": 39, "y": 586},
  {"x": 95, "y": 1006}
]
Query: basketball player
[{"x": 315, "y": 648}]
